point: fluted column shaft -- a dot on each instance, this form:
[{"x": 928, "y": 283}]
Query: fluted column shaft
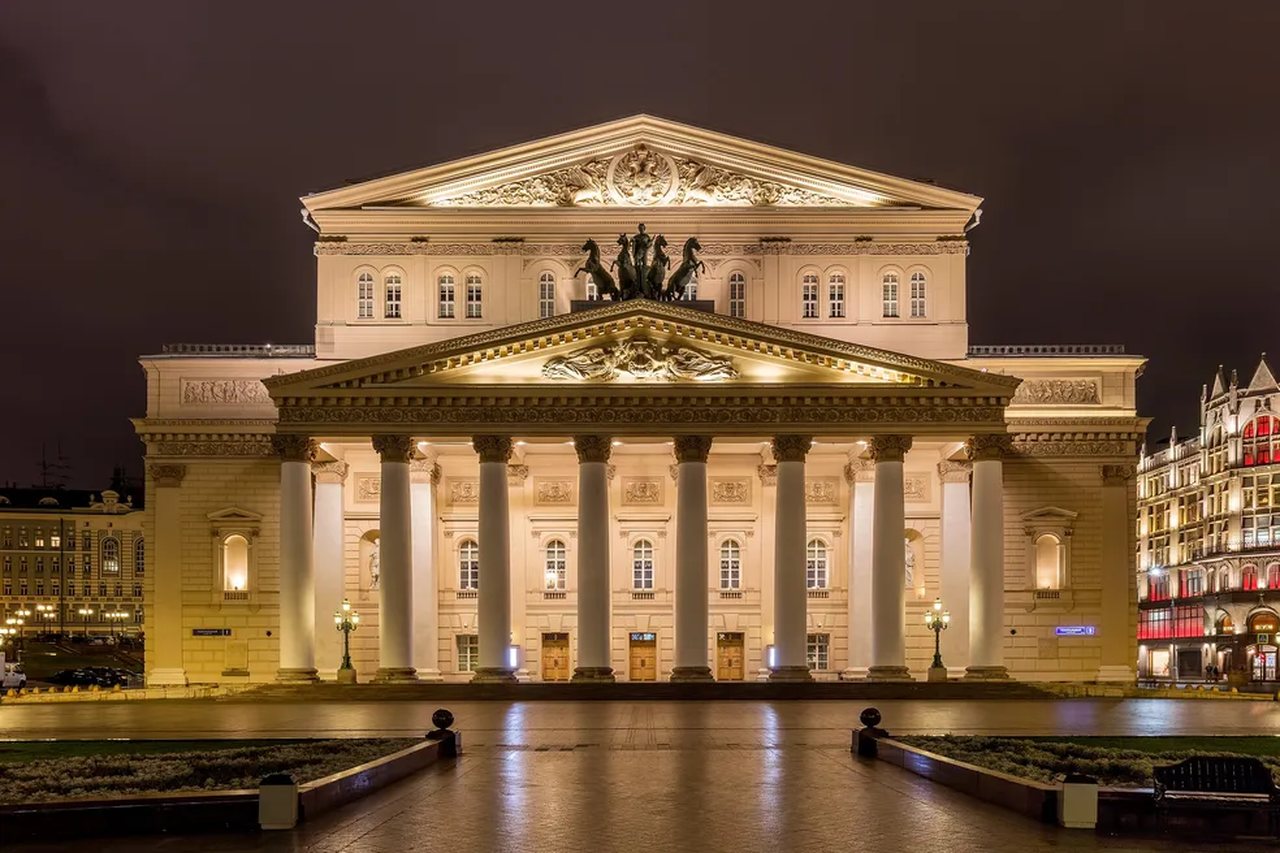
[
  {"x": 986, "y": 589},
  {"x": 297, "y": 583},
  {"x": 691, "y": 558},
  {"x": 495, "y": 559},
  {"x": 424, "y": 474},
  {"x": 395, "y": 561},
  {"x": 953, "y": 585},
  {"x": 790, "y": 595},
  {"x": 328, "y": 554},
  {"x": 595, "y": 659},
  {"x": 888, "y": 562},
  {"x": 860, "y": 474}
]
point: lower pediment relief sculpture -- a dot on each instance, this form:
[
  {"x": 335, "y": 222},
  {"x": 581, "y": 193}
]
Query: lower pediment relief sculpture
[{"x": 639, "y": 358}]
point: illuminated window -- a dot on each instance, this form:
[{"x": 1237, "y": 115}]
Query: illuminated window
[
  {"x": 690, "y": 291},
  {"x": 1273, "y": 576},
  {"x": 468, "y": 564},
  {"x": 1261, "y": 440},
  {"x": 235, "y": 563},
  {"x": 391, "y": 285},
  {"x": 918, "y": 285},
  {"x": 111, "y": 556},
  {"x": 730, "y": 564},
  {"x": 1249, "y": 577},
  {"x": 475, "y": 296},
  {"x": 1192, "y": 583},
  {"x": 809, "y": 297},
  {"x": 889, "y": 294},
  {"x": 835, "y": 296},
  {"x": 1157, "y": 586},
  {"x": 555, "y": 565},
  {"x": 815, "y": 567},
  {"x": 468, "y": 652},
  {"x": 446, "y": 297},
  {"x": 737, "y": 295},
  {"x": 593, "y": 290},
  {"x": 818, "y": 651},
  {"x": 1048, "y": 562},
  {"x": 39, "y": 537},
  {"x": 642, "y": 564},
  {"x": 139, "y": 558},
  {"x": 364, "y": 296},
  {"x": 547, "y": 294}
]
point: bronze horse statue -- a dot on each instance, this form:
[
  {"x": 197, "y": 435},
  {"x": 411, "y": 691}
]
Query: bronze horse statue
[
  {"x": 657, "y": 269},
  {"x": 685, "y": 273},
  {"x": 626, "y": 269},
  {"x": 605, "y": 285}
]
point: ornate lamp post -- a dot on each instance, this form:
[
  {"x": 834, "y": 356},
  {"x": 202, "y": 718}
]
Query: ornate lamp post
[
  {"x": 14, "y": 624},
  {"x": 85, "y": 613},
  {"x": 346, "y": 620},
  {"x": 23, "y": 615},
  {"x": 46, "y": 613},
  {"x": 936, "y": 620}
]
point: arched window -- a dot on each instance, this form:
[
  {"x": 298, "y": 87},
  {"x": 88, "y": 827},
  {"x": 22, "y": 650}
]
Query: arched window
[
  {"x": 1224, "y": 579},
  {"x": 1261, "y": 440},
  {"x": 110, "y": 556},
  {"x": 730, "y": 564},
  {"x": 1225, "y": 624},
  {"x": 815, "y": 567},
  {"x": 235, "y": 563},
  {"x": 809, "y": 296},
  {"x": 547, "y": 294},
  {"x": 391, "y": 289},
  {"x": 690, "y": 290},
  {"x": 475, "y": 296},
  {"x": 1273, "y": 576},
  {"x": 835, "y": 295},
  {"x": 593, "y": 290},
  {"x": 364, "y": 296},
  {"x": 1048, "y": 562},
  {"x": 918, "y": 295},
  {"x": 468, "y": 564},
  {"x": 447, "y": 297},
  {"x": 737, "y": 295},
  {"x": 1249, "y": 577},
  {"x": 889, "y": 294},
  {"x": 642, "y": 564},
  {"x": 555, "y": 565},
  {"x": 139, "y": 558}
]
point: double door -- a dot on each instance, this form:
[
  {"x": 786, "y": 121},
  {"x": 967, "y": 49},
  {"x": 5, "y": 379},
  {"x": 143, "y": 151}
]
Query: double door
[
  {"x": 555, "y": 657},
  {"x": 729, "y": 656},
  {"x": 644, "y": 656}
]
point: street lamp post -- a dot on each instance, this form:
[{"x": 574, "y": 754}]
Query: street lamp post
[
  {"x": 936, "y": 620},
  {"x": 23, "y": 614},
  {"x": 346, "y": 620},
  {"x": 14, "y": 624},
  {"x": 85, "y": 613},
  {"x": 47, "y": 613}
]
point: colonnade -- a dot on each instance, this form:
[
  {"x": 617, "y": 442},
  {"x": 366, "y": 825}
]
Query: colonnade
[{"x": 311, "y": 559}]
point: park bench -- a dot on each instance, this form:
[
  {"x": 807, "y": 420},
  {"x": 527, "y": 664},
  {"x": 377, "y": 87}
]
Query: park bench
[{"x": 1218, "y": 783}]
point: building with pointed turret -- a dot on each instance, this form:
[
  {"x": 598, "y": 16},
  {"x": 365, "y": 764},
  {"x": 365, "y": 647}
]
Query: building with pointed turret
[{"x": 1209, "y": 540}]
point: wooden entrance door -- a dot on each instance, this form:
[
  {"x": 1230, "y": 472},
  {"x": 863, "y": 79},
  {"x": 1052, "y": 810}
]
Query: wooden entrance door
[
  {"x": 555, "y": 657},
  {"x": 644, "y": 656},
  {"x": 729, "y": 653}
]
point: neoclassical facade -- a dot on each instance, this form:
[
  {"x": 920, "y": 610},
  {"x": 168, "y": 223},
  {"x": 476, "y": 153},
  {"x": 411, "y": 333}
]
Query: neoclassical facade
[{"x": 511, "y": 476}]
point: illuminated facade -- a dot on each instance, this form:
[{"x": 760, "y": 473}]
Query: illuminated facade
[
  {"x": 1209, "y": 540},
  {"x": 772, "y": 478}
]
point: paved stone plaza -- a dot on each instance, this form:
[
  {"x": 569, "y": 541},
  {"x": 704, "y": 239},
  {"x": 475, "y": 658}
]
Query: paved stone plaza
[{"x": 669, "y": 776}]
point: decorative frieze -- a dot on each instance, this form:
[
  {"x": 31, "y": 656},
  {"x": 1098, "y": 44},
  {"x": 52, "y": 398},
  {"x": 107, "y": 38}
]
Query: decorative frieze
[
  {"x": 821, "y": 490},
  {"x": 166, "y": 475},
  {"x": 642, "y": 491},
  {"x": 553, "y": 492},
  {"x": 368, "y": 488},
  {"x": 731, "y": 491},
  {"x": 223, "y": 392},
  {"x": 531, "y": 251},
  {"x": 1057, "y": 392},
  {"x": 1117, "y": 475},
  {"x": 213, "y": 446},
  {"x": 517, "y": 474}
]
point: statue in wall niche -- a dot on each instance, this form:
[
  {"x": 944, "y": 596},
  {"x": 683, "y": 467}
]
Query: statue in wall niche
[
  {"x": 373, "y": 564},
  {"x": 910, "y": 563}
]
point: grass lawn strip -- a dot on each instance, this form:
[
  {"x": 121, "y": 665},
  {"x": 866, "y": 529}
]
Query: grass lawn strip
[
  {"x": 1125, "y": 762},
  {"x": 98, "y": 770}
]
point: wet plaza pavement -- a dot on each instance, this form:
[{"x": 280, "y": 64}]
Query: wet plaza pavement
[{"x": 661, "y": 776}]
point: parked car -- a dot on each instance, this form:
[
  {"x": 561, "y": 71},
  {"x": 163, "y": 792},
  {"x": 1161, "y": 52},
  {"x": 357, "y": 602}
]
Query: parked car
[
  {"x": 102, "y": 676},
  {"x": 14, "y": 677}
]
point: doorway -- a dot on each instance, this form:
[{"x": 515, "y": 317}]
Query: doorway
[
  {"x": 555, "y": 657},
  {"x": 729, "y": 653},
  {"x": 644, "y": 656}
]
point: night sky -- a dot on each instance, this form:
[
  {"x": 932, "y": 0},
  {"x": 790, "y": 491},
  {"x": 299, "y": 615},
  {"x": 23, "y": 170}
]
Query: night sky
[{"x": 152, "y": 155}]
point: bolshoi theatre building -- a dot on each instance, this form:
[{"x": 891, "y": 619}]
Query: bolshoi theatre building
[{"x": 640, "y": 402}]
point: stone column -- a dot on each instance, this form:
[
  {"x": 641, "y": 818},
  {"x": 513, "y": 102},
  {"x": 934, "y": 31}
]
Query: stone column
[
  {"x": 691, "y": 558},
  {"x": 330, "y": 574},
  {"x": 297, "y": 583},
  {"x": 767, "y": 472},
  {"x": 1119, "y": 606},
  {"x": 954, "y": 574},
  {"x": 164, "y": 551},
  {"x": 790, "y": 596},
  {"x": 495, "y": 560},
  {"x": 595, "y": 658},
  {"x": 395, "y": 561},
  {"x": 424, "y": 475},
  {"x": 888, "y": 562},
  {"x": 860, "y": 475},
  {"x": 986, "y": 569}
]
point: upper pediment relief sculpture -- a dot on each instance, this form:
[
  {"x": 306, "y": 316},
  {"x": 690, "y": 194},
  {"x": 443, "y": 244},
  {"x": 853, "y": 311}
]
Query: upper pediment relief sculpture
[{"x": 639, "y": 358}]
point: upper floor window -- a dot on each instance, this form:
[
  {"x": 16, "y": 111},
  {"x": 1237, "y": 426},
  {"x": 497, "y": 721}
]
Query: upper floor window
[
  {"x": 39, "y": 537},
  {"x": 815, "y": 568},
  {"x": 392, "y": 284},
  {"x": 555, "y": 565},
  {"x": 835, "y": 296},
  {"x": 475, "y": 296},
  {"x": 364, "y": 296},
  {"x": 446, "y": 296},
  {"x": 593, "y": 290},
  {"x": 86, "y": 544},
  {"x": 1048, "y": 561},
  {"x": 110, "y": 556},
  {"x": 139, "y": 557},
  {"x": 918, "y": 302},
  {"x": 1261, "y": 440},
  {"x": 889, "y": 294},
  {"x": 690, "y": 291},
  {"x": 809, "y": 296},
  {"x": 547, "y": 294},
  {"x": 1273, "y": 576},
  {"x": 730, "y": 564},
  {"x": 1157, "y": 586},
  {"x": 1192, "y": 583},
  {"x": 1249, "y": 578},
  {"x": 468, "y": 564},
  {"x": 737, "y": 295},
  {"x": 642, "y": 564}
]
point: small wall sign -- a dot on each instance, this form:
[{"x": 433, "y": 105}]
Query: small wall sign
[
  {"x": 643, "y": 637},
  {"x": 1075, "y": 630},
  {"x": 211, "y": 632}
]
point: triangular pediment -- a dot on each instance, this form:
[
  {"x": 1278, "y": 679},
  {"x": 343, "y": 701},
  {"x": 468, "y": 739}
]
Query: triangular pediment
[
  {"x": 639, "y": 343},
  {"x": 234, "y": 515},
  {"x": 641, "y": 161}
]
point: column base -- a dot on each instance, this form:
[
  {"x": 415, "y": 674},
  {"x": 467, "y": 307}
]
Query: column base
[
  {"x": 1117, "y": 674},
  {"x": 854, "y": 673},
  {"x": 430, "y": 675},
  {"x": 791, "y": 673},
  {"x": 937, "y": 673},
  {"x": 174, "y": 677},
  {"x": 494, "y": 675},
  {"x": 889, "y": 673},
  {"x": 297, "y": 675},
  {"x": 691, "y": 673},
  {"x": 588, "y": 674},
  {"x": 986, "y": 673},
  {"x": 396, "y": 675}
]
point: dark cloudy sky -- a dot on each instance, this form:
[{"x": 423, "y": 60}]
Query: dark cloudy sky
[{"x": 152, "y": 155}]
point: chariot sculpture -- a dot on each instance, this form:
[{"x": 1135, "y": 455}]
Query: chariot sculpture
[{"x": 641, "y": 265}]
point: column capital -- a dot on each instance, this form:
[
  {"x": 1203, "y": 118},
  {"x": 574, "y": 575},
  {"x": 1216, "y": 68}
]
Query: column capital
[
  {"x": 888, "y": 448},
  {"x": 593, "y": 448},
  {"x": 394, "y": 448},
  {"x": 424, "y": 471},
  {"x": 860, "y": 471},
  {"x": 1117, "y": 475},
  {"x": 293, "y": 448},
  {"x": 166, "y": 474},
  {"x": 692, "y": 448},
  {"x": 954, "y": 472},
  {"x": 768, "y": 474},
  {"x": 791, "y": 448},
  {"x": 493, "y": 448},
  {"x": 517, "y": 474},
  {"x": 988, "y": 447},
  {"x": 330, "y": 472}
]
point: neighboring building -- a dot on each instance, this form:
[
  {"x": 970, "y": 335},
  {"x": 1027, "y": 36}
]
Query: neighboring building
[
  {"x": 767, "y": 478},
  {"x": 64, "y": 551},
  {"x": 1209, "y": 540}
]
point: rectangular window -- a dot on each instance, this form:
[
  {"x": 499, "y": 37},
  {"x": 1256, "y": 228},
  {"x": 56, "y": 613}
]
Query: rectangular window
[
  {"x": 809, "y": 297},
  {"x": 1194, "y": 583},
  {"x": 39, "y": 565},
  {"x": 22, "y": 586},
  {"x": 364, "y": 297},
  {"x": 468, "y": 652},
  {"x": 917, "y": 295},
  {"x": 642, "y": 566},
  {"x": 55, "y": 586},
  {"x": 55, "y": 541},
  {"x": 1157, "y": 587},
  {"x": 737, "y": 295},
  {"x": 6, "y": 540},
  {"x": 392, "y": 311},
  {"x": 24, "y": 540},
  {"x": 889, "y": 295},
  {"x": 835, "y": 297},
  {"x": 475, "y": 298},
  {"x": 39, "y": 586},
  {"x": 87, "y": 543},
  {"x": 818, "y": 651},
  {"x": 137, "y": 590},
  {"x": 446, "y": 297},
  {"x": 102, "y": 590},
  {"x": 546, "y": 296},
  {"x": 39, "y": 537},
  {"x": 8, "y": 586},
  {"x": 8, "y": 565},
  {"x": 71, "y": 588}
]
